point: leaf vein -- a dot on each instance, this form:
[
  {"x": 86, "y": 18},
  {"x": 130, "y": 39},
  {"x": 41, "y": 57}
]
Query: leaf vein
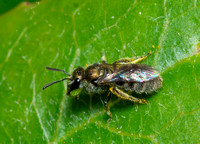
[
  {"x": 161, "y": 38},
  {"x": 36, "y": 110},
  {"x": 16, "y": 43},
  {"x": 182, "y": 114},
  {"x": 113, "y": 130},
  {"x": 93, "y": 39}
]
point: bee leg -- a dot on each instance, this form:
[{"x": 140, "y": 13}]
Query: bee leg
[
  {"x": 131, "y": 60},
  {"x": 122, "y": 95},
  {"x": 107, "y": 108},
  {"x": 103, "y": 58},
  {"x": 76, "y": 96}
]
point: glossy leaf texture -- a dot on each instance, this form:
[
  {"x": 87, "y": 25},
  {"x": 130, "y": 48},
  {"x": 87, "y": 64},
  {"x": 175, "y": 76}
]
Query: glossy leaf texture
[{"x": 67, "y": 34}]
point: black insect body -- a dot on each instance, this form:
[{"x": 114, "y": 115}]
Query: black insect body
[{"x": 118, "y": 77}]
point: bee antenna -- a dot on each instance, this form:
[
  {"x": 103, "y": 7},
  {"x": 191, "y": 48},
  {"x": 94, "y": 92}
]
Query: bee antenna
[
  {"x": 54, "y": 83},
  {"x": 54, "y": 69}
]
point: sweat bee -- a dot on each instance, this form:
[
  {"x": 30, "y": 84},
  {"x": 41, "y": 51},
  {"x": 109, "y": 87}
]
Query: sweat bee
[{"x": 120, "y": 78}]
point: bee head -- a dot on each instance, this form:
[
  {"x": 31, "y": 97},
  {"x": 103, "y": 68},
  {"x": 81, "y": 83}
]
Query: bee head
[{"x": 76, "y": 81}]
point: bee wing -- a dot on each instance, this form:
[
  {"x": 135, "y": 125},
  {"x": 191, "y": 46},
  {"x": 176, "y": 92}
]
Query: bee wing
[{"x": 140, "y": 74}]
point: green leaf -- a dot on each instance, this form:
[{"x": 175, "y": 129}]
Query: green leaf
[{"x": 68, "y": 34}]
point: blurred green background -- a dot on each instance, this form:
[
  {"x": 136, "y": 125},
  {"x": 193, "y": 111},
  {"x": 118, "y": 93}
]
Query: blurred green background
[
  {"x": 67, "y": 34},
  {"x": 7, "y": 5}
]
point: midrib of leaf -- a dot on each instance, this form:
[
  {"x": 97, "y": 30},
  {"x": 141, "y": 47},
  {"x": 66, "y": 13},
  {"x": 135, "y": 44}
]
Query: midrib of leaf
[
  {"x": 37, "y": 111},
  {"x": 64, "y": 95}
]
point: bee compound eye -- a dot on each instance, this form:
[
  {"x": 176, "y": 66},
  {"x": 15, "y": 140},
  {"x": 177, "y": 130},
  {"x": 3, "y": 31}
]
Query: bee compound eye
[
  {"x": 96, "y": 64},
  {"x": 79, "y": 73}
]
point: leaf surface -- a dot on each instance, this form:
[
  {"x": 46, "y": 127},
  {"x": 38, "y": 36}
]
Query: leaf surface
[{"x": 68, "y": 34}]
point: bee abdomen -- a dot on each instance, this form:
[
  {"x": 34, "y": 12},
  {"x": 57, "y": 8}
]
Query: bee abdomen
[
  {"x": 91, "y": 88},
  {"x": 144, "y": 87}
]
